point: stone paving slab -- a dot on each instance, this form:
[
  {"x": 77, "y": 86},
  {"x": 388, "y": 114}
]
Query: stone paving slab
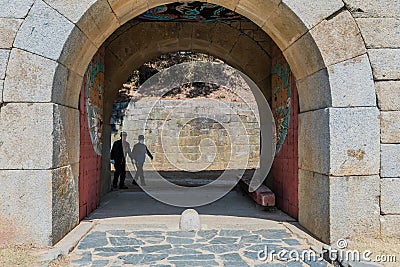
[{"x": 222, "y": 247}]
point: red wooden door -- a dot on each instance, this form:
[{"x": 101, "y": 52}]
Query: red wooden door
[{"x": 89, "y": 163}]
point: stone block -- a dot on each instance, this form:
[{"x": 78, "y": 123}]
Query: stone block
[
  {"x": 374, "y": 8},
  {"x": 249, "y": 54},
  {"x": 313, "y": 12},
  {"x": 232, "y": 4},
  {"x": 283, "y": 26},
  {"x": 345, "y": 84},
  {"x": 314, "y": 91},
  {"x": 390, "y": 127},
  {"x": 126, "y": 10},
  {"x": 390, "y": 158},
  {"x": 65, "y": 198},
  {"x": 352, "y": 84},
  {"x": 77, "y": 53},
  {"x": 315, "y": 139},
  {"x": 257, "y": 11},
  {"x": 4, "y": 55},
  {"x": 1, "y": 90},
  {"x": 338, "y": 38},
  {"x": 38, "y": 83},
  {"x": 66, "y": 87},
  {"x": 21, "y": 126},
  {"x": 354, "y": 141},
  {"x": 380, "y": 32},
  {"x": 390, "y": 198},
  {"x": 66, "y": 136},
  {"x": 388, "y": 94},
  {"x": 390, "y": 226},
  {"x": 15, "y": 8},
  {"x": 26, "y": 194},
  {"x": 8, "y": 31},
  {"x": 74, "y": 10},
  {"x": 314, "y": 203},
  {"x": 354, "y": 206},
  {"x": 99, "y": 22},
  {"x": 385, "y": 63},
  {"x": 304, "y": 57},
  {"x": 44, "y": 31}
]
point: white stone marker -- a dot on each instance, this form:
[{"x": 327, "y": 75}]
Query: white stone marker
[{"x": 190, "y": 221}]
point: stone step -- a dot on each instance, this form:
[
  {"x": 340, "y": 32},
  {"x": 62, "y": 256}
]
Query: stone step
[{"x": 262, "y": 196}]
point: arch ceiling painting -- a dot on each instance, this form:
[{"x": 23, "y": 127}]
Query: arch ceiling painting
[{"x": 191, "y": 11}]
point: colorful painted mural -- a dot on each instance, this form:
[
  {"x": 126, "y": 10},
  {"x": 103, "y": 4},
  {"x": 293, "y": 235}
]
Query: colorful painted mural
[
  {"x": 94, "y": 99},
  {"x": 281, "y": 85},
  {"x": 190, "y": 11},
  {"x": 285, "y": 106}
]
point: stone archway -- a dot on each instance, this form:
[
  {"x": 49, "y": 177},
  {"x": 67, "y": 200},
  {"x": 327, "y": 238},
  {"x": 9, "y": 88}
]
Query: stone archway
[{"x": 339, "y": 134}]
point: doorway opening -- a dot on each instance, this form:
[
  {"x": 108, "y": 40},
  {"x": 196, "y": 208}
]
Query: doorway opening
[{"x": 253, "y": 53}]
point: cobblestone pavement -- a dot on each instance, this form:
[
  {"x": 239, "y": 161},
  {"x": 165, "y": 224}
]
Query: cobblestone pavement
[
  {"x": 120, "y": 238},
  {"x": 178, "y": 248}
]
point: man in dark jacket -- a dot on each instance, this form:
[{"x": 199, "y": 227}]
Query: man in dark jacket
[
  {"x": 139, "y": 152},
  {"x": 118, "y": 157}
]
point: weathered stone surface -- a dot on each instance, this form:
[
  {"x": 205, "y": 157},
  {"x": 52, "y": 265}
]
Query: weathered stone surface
[
  {"x": 338, "y": 39},
  {"x": 390, "y": 158},
  {"x": 66, "y": 137},
  {"x": 374, "y": 8},
  {"x": 315, "y": 140},
  {"x": 390, "y": 225},
  {"x": 38, "y": 83},
  {"x": 99, "y": 22},
  {"x": 330, "y": 206},
  {"x": 380, "y": 32},
  {"x": 346, "y": 145},
  {"x": 390, "y": 127},
  {"x": 354, "y": 141},
  {"x": 4, "y": 55},
  {"x": 30, "y": 123},
  {"x": 390, "y": 199},
  {"x": 284, "y": 26},
  {"x": 314, "y": 91},
  {"x": 304, "y": 57},
  {"x": 66, "y": 87},
  {"x": 313, "y": 12},
  {"x": 190, "y": 221},
  {"x": 25, "y": 195},
  {"x": 44, "y": 31},
  {"x": 126, "y": 10},
  {"x": 231, "y": 4},
  {"x": 354, "y": 206},
  {"x": 15, "y": 8},
  {"x": 1, "y": 90},
  {"x": 65, "y": 197},
  {"x": 345, "y": 84},
  {"x": 258, "y": 11},
  {"x": 249, "y": 54},
  {"x": 74, "y": 10},
  {"x": 77, "y": 53},
  {"x": 385, "y": 63},
  {"x": 314, "y": 203},
  {"x": 352, "y": 84},
  {"x": 388, "y": 94},
  {"x": 8, "y": 31}
]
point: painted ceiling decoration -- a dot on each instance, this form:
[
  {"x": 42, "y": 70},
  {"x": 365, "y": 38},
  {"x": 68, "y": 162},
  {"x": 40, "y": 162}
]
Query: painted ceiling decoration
[{"x": 191, "y": 11}]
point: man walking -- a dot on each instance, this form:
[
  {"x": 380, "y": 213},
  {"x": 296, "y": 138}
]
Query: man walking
[
  {"x": 139, "y": 157},
  {"x": 118, "y": 157}
]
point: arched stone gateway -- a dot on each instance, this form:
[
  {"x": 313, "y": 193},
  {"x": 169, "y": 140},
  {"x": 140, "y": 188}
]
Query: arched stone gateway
[{"x": 48, "y": 46}]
